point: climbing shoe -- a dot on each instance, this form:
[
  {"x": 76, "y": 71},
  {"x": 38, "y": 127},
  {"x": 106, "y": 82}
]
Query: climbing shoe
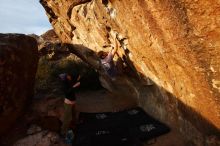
[{"x": 69, "y": 137}]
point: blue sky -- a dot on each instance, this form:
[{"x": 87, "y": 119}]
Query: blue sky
[{"x": 23, "y": 16}]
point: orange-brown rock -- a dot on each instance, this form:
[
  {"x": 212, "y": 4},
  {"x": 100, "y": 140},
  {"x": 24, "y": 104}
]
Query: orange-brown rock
[
  {"x": 174, "y": 43},
  {"x": 49, "y": 45},
  {"x": 50, "y": 36},
  {"x": 18, "y": 65}
]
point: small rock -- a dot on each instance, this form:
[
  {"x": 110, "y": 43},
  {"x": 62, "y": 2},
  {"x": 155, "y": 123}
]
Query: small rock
[
  {"x": 44, "y": 138},
  {"x": 33, "y": 129}
]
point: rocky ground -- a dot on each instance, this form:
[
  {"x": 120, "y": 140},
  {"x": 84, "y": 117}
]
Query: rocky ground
[{"x": 40, "y": 125}]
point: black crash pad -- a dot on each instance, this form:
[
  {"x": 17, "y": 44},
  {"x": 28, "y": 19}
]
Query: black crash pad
[{"x": 125, "y": 128}]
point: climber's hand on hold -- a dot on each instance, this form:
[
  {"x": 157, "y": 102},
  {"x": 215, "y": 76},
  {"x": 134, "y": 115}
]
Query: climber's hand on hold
[{"x": 114, "y": 50}]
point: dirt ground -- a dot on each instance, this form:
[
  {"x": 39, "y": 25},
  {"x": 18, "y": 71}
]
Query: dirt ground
[
  {"x": 87, "y": 101},
  {"x": 102, "y": 100}
]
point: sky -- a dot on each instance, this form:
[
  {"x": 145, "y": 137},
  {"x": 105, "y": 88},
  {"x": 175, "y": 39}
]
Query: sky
[{"x": 23, "y": 16}]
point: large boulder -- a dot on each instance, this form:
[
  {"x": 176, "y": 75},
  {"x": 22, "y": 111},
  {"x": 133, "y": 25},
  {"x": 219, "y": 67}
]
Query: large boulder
[
  {"x": 18, "y": 65},
  {"x": 176, "y": 44},
  {"x": 49, "y": 45}
]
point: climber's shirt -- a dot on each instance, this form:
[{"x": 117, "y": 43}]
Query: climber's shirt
[
  {"x": 108, "y": 64},
  {"x": 68, "y": 88}
]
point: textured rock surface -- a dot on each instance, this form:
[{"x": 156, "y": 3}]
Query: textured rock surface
[
  {"x": 42, "y": 138},
  {"x": 49, "y": 45},
  {"x": 18, "y": 65},
  {"x": 174, "y": 43}
]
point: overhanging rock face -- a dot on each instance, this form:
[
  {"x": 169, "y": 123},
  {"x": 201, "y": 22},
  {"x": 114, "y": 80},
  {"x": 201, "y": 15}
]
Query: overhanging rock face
[{"x": 174, "y": 43}]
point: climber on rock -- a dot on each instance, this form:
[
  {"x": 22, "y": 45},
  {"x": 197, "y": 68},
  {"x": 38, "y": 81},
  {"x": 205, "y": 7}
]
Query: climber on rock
[
  {"x": 107, "y": 60},
  {"x": 70, "y": 83}
]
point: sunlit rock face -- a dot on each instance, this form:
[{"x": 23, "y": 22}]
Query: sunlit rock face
[
  {"x": 174, "y": 43},
  {"x": 18, "y": 65}
]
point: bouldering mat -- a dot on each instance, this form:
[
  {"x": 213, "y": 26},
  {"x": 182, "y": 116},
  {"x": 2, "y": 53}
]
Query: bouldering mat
[{"x": 125, "y": 128}]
